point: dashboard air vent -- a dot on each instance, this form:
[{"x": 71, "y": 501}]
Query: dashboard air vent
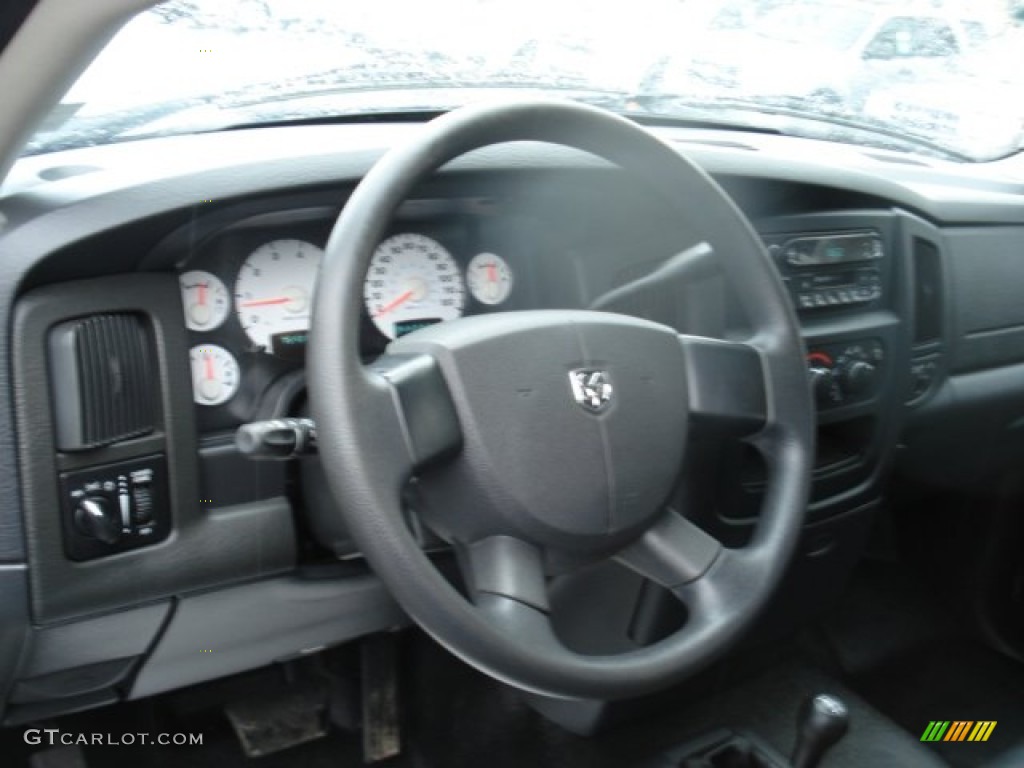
[
  {"x": 927, "y": 292},
  {"x": 104, "y": 380}
]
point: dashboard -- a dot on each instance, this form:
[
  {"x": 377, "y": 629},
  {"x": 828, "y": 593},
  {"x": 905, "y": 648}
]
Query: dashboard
[{"x": 193, "y": 262}]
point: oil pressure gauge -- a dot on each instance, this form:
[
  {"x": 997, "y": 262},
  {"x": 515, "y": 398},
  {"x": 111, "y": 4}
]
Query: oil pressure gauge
[
  {"x": 489, "y": 278},
  {"x": 215, "y": 374}
]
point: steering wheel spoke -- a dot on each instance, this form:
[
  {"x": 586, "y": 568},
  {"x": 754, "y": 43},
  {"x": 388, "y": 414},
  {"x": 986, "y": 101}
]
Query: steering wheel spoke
[
  {"x": 672, "y": 552},
  {"x": 423, "y": 404},
  {"x": 726, "y": 383},
  {"x": 504, "y": 567},
  {"x": 506, "y": 581}
]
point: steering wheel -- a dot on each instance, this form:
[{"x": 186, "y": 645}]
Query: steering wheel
[{"x": 535, "y": 436}]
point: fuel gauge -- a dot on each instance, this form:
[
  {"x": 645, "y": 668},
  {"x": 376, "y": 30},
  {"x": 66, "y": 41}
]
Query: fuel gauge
[
  {"x": 206, "y": 300},
  {"x": 489, "y": 278},
  {"x": 215, "y": 374}
]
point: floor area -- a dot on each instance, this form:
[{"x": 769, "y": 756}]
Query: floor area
[
  {"x": 887, "y": 648},
  {"x": 901, "y": 649}
]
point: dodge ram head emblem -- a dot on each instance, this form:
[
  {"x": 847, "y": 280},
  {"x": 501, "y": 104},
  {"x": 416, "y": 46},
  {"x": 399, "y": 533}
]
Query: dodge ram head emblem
[{"x": 591, "y": 389}]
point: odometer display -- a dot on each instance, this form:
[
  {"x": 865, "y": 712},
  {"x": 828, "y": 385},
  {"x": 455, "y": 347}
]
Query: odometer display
[
  {"x": 412, "y": 278},
  {"x": 408, "y": 326}
]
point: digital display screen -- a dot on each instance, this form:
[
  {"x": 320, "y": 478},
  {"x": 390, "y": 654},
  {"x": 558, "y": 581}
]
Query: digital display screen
[
  {"x": 408, "y": 326},
  {"x": 832, "y": 249},
  {"x": 290, "y": 346}
]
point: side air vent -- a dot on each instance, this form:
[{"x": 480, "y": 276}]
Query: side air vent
[
  {"x": 927, "y": 293},
  {"x": 104, "y": 380}
]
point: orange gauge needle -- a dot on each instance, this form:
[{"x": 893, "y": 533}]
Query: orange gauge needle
[
  {"x": 202, "y": 294},
  {"x": 265, "y": 302},
  {"x": 208, "y": 360},
  {"x": 394, "y": 304},
  {"x": 492, "y": 272}
]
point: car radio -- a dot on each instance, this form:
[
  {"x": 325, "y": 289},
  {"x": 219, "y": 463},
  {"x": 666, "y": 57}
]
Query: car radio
[{"x": 829, "y": 270}]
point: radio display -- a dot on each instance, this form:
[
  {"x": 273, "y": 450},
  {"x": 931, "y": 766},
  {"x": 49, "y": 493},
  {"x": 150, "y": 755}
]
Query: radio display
[
  {"x": 827, "y": 250},
  {"x": 832, "y": 280}
]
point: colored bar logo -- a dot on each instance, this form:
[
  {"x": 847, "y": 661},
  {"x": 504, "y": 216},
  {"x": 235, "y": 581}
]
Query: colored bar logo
[{"x": 958, "y": 730}]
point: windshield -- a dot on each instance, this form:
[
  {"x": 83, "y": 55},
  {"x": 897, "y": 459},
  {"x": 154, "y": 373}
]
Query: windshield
[
  {"x": 875, "y": 73},
  {"x": 831, "y": 27}
]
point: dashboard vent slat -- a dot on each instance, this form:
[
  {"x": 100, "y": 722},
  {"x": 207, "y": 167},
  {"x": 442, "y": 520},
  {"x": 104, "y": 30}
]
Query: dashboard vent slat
[
  {"x": 928, "y": 307},
  {"x": 103, "y": 380}
]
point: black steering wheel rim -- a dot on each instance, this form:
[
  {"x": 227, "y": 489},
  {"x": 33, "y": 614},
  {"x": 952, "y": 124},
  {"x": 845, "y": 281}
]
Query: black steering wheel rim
[{"x": 369, "y": 449}]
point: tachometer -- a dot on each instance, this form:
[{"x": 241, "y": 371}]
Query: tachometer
[
  {"x": 413, "y": 281},
  {"x": 274, "y": 290}
]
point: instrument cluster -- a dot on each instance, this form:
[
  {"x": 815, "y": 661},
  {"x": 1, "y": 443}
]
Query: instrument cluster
[{"x": 247, "y": 297}]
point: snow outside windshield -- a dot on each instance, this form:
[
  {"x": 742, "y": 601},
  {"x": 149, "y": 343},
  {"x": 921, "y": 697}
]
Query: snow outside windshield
[{"x": 937, "y": 77}]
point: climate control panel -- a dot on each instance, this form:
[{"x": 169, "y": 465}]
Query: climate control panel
[
  {"x": 114, "y": 508},
  {"x": 845, "y": 373}
]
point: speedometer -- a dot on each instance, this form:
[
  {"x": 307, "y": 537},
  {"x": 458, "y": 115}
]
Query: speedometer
[
  {"x": 413, "y": 281},
  {"x": 274, "y": 291}
]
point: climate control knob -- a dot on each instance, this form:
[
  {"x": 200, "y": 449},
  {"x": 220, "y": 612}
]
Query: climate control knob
[
  {"x": 96, "y": 518},
  {"x": 858, "y": 377}
]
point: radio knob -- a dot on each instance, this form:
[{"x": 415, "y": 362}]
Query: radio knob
[
  {"x": 95, "y": 518},
  {"x": 859, "y": 376},
  {"x": 821, "y": 382}
]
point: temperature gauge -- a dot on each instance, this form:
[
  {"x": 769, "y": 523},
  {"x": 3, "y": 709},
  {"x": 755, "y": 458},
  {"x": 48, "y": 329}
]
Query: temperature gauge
[
  {"x": 215, "y": 374},
  {"x": 206, "y": 300},
  {"x": 489, "y": 278}
]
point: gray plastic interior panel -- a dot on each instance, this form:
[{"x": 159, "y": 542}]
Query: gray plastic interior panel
[
  {"x": 18, "y": 714},
  {"x": 208, "y": 546},
  {"x": 977, "y": 417},
  {"x": 220, "y": 633},
  {"x": 103, "y": 676},
  {"x": 987, "y": 269},
  {"x": 13, "y": 624},
  {"x": 104, "y": 638}
]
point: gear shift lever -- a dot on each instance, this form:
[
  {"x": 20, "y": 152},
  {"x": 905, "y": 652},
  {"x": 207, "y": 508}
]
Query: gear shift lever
[{"x": 824, "y": 720}]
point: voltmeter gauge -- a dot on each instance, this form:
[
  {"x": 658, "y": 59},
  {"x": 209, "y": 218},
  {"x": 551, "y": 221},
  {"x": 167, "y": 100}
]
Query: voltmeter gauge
[
  {"x": 489, "y": 278},
  {"x": 215, "y": 374},
  {"x": 206, "y": 300}
]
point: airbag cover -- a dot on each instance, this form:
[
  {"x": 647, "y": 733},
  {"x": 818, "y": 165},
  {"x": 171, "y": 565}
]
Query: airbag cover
[{"x": 539, "y": 462}]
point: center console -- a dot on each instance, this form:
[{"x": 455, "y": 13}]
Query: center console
[
  {"x": 848, "y": 277},
  {"x": 846, "y": 274}
]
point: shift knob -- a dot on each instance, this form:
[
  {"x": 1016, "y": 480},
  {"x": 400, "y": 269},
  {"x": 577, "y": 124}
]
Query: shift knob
[{"x": 824, "y": 720}]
